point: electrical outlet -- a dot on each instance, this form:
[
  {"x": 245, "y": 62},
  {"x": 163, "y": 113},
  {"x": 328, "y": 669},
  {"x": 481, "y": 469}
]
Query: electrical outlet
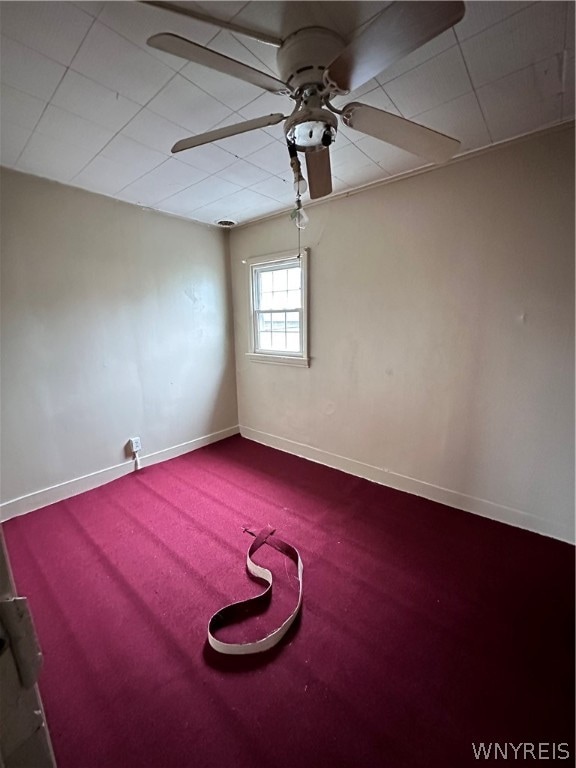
[{"x": 135, "y": 444}]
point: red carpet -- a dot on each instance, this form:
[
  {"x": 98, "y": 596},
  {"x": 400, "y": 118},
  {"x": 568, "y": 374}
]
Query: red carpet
[{"x": 424, "y": 629}]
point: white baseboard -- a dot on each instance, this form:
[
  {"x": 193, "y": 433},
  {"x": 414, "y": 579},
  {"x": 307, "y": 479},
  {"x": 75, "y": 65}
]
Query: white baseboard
[
  {"x": 489, "y": 509},
  {"x": 65, "y": 490}
]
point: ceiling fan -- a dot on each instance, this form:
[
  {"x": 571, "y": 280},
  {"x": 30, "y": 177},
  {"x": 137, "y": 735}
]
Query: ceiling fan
[{"x": 315, "y": 65}]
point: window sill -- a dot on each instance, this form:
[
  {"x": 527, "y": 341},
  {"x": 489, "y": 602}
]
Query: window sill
[{"x": 260, "y": 357}]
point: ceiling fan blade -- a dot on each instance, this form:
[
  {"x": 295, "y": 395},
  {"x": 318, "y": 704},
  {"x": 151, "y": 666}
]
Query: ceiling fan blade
[
  {"x": 186, "y": 49},
  {"x": 229, "y": 130},
  {"x": 400, "y": 132},
  {"x": 400, "y": 29},
  {"x": 319, "y": 173},
  {"x": 261, "y": 37}
]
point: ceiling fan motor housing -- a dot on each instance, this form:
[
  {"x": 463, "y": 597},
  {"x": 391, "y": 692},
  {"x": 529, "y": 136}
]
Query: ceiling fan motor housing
[{"x": 304, "y": 56}]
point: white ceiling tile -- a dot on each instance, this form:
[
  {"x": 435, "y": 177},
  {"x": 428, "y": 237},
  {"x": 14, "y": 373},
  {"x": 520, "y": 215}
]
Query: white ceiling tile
[
  {"x": 461, "y": 118},
  {"x": 213, "y": 212},
  {"x": 20, "y": 108},
  {"x": 198, "y": 195},
  {"x": 267, "y": 104},
  {"x": 94, "y": 102},
  {"x": 27, "y": 70},
  {"x": 139, "y": 22},
  {"x": 231, "y": 91},
  {"x": 523, "y": 101},
  {"x": 349, "y": 155},
  {"x": 356, "y": 176},
  {"x": 244, "y": 144},
  {"x": 276, "y": 131},
  {"x": 346, "y": 135},
  {"x": 222, "y": 9},
  {"x": 481, "y": 15},
  {"x": 426, "y": 52},
  {"x": 232, "y": 206},
  {"x": 234, "y": 48},
  {"x": 163, "y": 181},
  {"x": 105, "y": 176},
  {"x": 120, "y": 65},
  {"x": 213, "y": 188},
  {"x": 264, "y": 208},
  {"x": 273, "y": 158},
  {"x": 275, "y": 188},
  {"x": 91, "y": 7},
  {"x": 154, "y": 131},
  {"x": 172, "y": 171},
  {"x": 280, "y": 19},
  {"x": 248, "y": 199},
  {"x": 440, "y": 79},
  {"x": 208, "y": 157},
  {"x": 132, "y": 154},
  {"x": 53, "y": 29},
  {"x": 356, "y": 94},
  {"x": 46, "y": 156},
  {"x": 339, "y": 186},
  {"x": 184, "y": 103},
  {"x": 393, "y": 159},
  {"x": 429, "y": 85},
  {"x": 379, "y": 98},
  {"x": 526, "y": 38},
  {"x": 244, "y": 174},
  {"x": 13, "y": 139},
  {"x": 266, "y": 55},
  {"x": 65, "y": 126}
]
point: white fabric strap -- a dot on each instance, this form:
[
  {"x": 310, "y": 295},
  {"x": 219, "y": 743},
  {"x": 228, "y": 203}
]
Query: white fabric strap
[{"x": 235, "y": 612}]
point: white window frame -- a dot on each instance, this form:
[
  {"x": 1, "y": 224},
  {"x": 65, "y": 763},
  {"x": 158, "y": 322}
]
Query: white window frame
[{"x": 277, "y": 260}]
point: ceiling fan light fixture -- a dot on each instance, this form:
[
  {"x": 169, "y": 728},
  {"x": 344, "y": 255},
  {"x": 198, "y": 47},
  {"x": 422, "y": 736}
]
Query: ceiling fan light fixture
[
  {"x": 299, "y": 216},
  {"x": 311, "y": 128},
  {"x": 312, "y": 133}
]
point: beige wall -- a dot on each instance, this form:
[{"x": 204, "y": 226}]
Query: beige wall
[
  {"x": 115, "y": 322},
  {"x": 442, "y": 335}
]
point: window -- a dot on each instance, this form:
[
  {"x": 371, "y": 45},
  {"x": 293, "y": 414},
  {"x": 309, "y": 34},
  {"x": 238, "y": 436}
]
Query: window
[{"x": 278, "y": 292}]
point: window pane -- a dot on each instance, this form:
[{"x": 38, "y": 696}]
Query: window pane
[
  {"x": 281, "y": 300},
  {"x": 280, "y": 279},
  {"x": 266, "y": 301},
  {"x": 279, "y": 342},
  {"x": 293, "y": 321},
  {"x": 265, "y": 341},
  {"x": 294, "y": 278},
  {"x": 264, "y": 322},
  {"x": 292, "y": 342},
  {"x": 278, "y": 308},
  {"x": 293, "y": 299},
  {"x": 265, "y": 281},
  {"x": 279, "y": 322}
]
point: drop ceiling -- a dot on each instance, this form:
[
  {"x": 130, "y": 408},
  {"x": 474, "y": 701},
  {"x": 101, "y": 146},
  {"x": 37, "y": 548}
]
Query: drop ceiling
[{"x": 85, "y": 102}]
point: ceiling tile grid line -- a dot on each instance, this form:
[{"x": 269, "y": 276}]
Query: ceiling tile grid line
[
  {"x": 66, "y": 70},
  {"x": 521, "y": 7},
  {"x": 475, "y": 94},
  {"x": 177, "y": 68},
  {"x": 112, "y": 138},
  {"x": 85, "y": 102},
  {"x": 55, "y": 89},
  {"x": 120, "y": 131}
]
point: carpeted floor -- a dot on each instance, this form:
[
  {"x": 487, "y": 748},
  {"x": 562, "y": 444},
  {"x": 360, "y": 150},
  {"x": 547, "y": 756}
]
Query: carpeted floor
[{"x": 424, "y": 629}]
